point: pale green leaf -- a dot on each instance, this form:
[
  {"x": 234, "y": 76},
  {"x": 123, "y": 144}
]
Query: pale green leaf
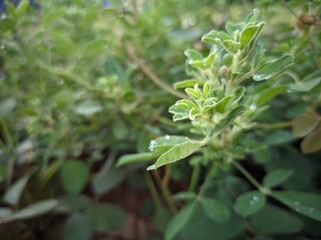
[
  {"x": 13, "y": 194},
  {"x": 305, "y": 86},
  {"x": 95, "y": 47},
  {"x": 269, "y": 93},
  {"x": 188, "y": 83},
  {"x": 273, "y": 68},
  {"x": 193, "y": 55},
  {"x": 221, "y": 105},
  {"x": 22, "y": 8},
  {"x": 216, "y": 38},
  {"x": 312, "y": 142},
  {"x": 304, "y": 124},
  {"x": 33, "y": 210},
  {"x": 231, "y": 46},
  {"x": 6, "y": 24},
  {"x": 179, "y": 113},
  {"x": 134, "y": 158},
  {"x": 177, "y": 152},
  {"x": 249, "y": 34}
]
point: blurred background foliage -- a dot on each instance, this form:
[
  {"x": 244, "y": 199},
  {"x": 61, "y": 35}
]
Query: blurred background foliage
[{"x": 84, "y": 82}]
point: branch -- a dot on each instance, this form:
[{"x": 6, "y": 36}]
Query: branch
[{"x": 150, "y": 73}]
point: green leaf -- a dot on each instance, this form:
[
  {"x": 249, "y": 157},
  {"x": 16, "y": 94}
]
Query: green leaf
[
  {"x": 267, "y": 94},
  {"x": 276, "y": 176},
  {"x": 216, "y": 38},
  {"x": 215, "y": 210},
  {"x": 221, "y": 105},
  {"x": 134, "y": 158},
  {"x": 22, "y": 8},
  {"x": 49, "y": 172},
  {"x": 179, "y": 112},
  {"x": 176, "y": 153},
  {"x": 273, "y": 68},
  {"x": 193, "y": 55},
  {"x": 6, "y": 24},
  {"x": 193, "y": 93},
  {"x": 78, "y": 226},
  {"x": 106, "y": 217},
  {"x": 275, "y": 220},
  {"x": 188, "y": 83},
  {"x": 232, "y": 115},
  {"x": 207, "y": 90},
  {"x": 107, "y": 178},
  {"x": 178, "y": 221},
  {"x": 304, "y": 124},
  {"x": 305, "y": 86},
  {"x": 167, "y": 142},
  {"x": 249, "y": 203},
  {"x": 33, "y": 210},
  {"x": 308, "y": 204},
  {"x": 161, "y": 218},
  {"x": 120, "y": 130},
  {"x": 231, "y": 46},
  {"x": 95, "y": 47},
  {"x": 312, "y": 142},
  {"x": 249, "y": 34},
  {"x": 238, "y": 93},
  {"x": 74, "y": 175},
  {"x": 13, "y": 194},
  {"x": 184, "y": 196},
  {"x": 74, "y": 201}
]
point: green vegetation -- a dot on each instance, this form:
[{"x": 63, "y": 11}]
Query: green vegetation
[{"x": 170, "y": 120}]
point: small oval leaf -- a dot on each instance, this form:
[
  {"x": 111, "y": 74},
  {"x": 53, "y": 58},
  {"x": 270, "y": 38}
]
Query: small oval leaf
[
  {"x": 249, "y": 203},
  {"x": 308, "y": 204},
  {"x": 74, "y": 175},
  {"x": 176, "y": 153},
  {"x": 276, "y": 176},
  {"x": 217, "y": 211}
]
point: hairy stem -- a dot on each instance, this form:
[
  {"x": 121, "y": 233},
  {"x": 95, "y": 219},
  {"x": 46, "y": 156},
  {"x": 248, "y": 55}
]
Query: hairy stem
[
  {"x": 150, "y": 73},
  {"x": 247, "y": 175}
]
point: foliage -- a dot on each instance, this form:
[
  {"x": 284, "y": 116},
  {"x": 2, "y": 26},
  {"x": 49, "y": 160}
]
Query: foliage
[{"x": 85, "y": 93}]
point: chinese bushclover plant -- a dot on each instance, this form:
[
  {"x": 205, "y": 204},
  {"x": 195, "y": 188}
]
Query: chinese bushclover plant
[
  {"x": 219, "y": 105},
  {"x": 227, "y": 91}
]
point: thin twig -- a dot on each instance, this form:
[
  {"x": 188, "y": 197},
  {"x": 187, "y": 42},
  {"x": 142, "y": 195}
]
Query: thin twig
[
  {"x": 287, "y": 7},
  {"x": 273, "y": 125},
  {"x": 166, "y": 193},
  {"x": 152, "y": 189},
  {"x": 150, "y": 73}
]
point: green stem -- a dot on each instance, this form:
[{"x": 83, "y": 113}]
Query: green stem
[
  {"x": 247, "y": 175},
  {"x": 152, "y": 189},
  {"x": 166, "y": 193},
  {"x": 131, "y": 52},
  {"x": 273, "y": 125},
  {"x": 194, "y": 178},
  {"x": 287, "y": 7}
]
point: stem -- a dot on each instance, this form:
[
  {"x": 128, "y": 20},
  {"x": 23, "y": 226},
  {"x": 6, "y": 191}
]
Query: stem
[
  {"x": 247, "y": 175},
  {"x": 152, "y": 189},
  {"x": 166, "y": 193},
  {"x": 273, "y": 125},
  {"x": 287, "y": 7},
  {"x": 194, "y": 178},
  {"x": 150, "y": 73}
]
